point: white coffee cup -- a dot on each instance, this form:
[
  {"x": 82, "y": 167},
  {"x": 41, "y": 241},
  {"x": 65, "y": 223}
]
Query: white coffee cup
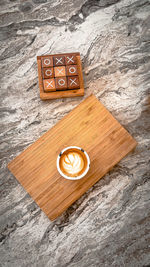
[{"x": 78, "y": 176}]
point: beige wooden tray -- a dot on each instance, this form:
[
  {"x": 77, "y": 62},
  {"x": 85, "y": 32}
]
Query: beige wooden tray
[{"x": 90, "y": 126}]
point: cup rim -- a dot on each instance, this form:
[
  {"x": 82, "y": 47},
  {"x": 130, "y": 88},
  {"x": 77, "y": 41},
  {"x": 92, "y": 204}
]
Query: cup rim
[{"x": 69, "y": 177}]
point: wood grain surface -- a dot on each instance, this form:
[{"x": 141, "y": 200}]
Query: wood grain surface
[
  {"x": 90, "y": 126},
  {"x": 61, "y": 94}
]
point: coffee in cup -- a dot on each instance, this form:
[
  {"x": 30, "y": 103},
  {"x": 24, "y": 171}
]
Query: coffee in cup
[{"x": 73, "y": 163}]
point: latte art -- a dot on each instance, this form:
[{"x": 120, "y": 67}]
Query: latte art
[{"x": 72, "y": 163}]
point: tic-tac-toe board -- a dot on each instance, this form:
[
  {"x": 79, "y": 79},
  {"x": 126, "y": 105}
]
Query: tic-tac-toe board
[{"x": 60, "y": 75}]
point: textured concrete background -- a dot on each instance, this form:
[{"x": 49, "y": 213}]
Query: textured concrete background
[{"x": 110, "y": 224}]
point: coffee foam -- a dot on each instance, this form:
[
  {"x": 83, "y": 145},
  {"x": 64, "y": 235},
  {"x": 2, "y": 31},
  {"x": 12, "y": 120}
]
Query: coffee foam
[{"x": 73, "y": 162}]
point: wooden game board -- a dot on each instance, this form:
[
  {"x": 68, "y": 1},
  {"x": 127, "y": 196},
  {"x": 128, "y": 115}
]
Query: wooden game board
[
  {"x": 90, "y": 126},
  {"x": 60, "y": 75}
]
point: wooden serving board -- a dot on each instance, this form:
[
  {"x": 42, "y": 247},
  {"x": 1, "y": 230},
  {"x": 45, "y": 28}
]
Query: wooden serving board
[{"x": 90, "y": 126}]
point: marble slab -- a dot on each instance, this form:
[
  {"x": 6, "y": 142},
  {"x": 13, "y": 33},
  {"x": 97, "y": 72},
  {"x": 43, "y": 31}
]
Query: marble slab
[{"x": 109, "y": 225}]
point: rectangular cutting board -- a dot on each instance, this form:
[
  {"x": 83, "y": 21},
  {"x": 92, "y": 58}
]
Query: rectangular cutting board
[{"x": 90, "y": 126}]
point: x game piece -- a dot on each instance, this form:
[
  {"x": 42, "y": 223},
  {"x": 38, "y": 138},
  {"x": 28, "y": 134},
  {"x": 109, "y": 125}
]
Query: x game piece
[
  {"x": 60, "y": 71},
  {"x": 49, "y": 85},
  {"x": 73, "y": 82},
  {"x": 70, "y": 59},
  {"x": 59, "y": 61}
]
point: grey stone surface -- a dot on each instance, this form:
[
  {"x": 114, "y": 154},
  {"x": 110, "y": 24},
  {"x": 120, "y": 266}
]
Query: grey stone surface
[{"x": 110, "y": 224}]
